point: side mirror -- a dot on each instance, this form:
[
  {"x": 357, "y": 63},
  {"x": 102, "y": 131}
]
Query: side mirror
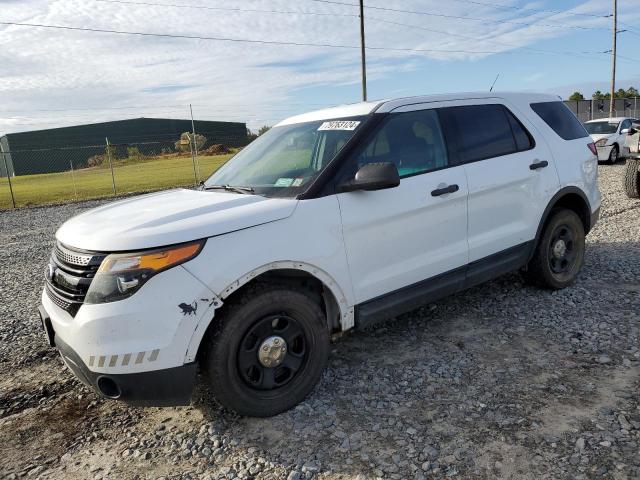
[
  {"x": 624, "y": 131},
  {"x": 373, "y": 176}
]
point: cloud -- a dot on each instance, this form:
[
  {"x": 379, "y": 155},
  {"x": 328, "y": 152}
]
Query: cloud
[{"x": 97, "y": 76}]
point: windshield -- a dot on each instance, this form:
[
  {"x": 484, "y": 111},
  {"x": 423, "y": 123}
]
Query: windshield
[
  {"x": 283, "y": 161},
  {"x": 595, "y": 128}
]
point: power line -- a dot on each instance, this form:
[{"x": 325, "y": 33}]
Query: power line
[
  {"x": 460, "y": 17},
  {"x": 373, "y": 7},
  {"x": 229, "y": 9},
  {"x": 534, "y": 10},
  {"x": 245, "y": 40},
  {"x": 497, "y": 42}
]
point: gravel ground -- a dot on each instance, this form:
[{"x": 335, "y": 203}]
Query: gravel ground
[{"x": 504, "y": 380}]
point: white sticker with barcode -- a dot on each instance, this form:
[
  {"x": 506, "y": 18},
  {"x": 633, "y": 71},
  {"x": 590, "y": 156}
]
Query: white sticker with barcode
[{"x": 340, "y": 125}]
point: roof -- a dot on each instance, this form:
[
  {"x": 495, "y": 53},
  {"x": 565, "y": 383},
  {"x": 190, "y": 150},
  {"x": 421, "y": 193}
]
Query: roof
[
  {"x": 383, "y": 106},
  {"x": 610, "y": 119}
]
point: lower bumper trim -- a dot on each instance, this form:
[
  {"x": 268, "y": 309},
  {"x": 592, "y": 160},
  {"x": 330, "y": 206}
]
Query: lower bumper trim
[{"x": 168, "y": 387}]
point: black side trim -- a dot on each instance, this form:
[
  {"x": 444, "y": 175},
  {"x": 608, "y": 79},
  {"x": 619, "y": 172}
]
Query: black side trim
[
  {"x": 499, "y": 263},
  {"x": 413, "y": 296},
  {"x": 409, "y": 298},
  {"x": 159, "y": 388}
]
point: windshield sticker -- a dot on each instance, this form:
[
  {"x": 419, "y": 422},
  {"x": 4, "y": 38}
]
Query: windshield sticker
[
  {"x": 339, "y": 125},
  {"x": 297, "y": 182},
  {"x": 283, "y": 182}
]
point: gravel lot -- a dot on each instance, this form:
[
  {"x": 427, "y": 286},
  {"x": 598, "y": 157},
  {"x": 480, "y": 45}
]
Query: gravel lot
[{"x": 504, "y": 380}]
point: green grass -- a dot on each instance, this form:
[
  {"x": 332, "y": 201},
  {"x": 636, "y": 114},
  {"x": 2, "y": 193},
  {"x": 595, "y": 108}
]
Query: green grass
[{"x": 130, "y": 176}]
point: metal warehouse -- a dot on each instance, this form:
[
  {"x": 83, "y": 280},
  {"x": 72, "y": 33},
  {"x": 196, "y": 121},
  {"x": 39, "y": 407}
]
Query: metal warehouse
[{"x": 52, "y": 150}]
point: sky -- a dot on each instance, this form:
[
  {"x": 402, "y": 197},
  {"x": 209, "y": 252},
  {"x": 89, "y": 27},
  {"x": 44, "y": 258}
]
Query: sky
[{"x": 52, "y": 77}]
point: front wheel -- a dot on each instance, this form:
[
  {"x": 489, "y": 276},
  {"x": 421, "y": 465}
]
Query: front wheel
[
  {"x": 560, "y": 253},
  {"x": 268, "y": 350},
  {"x": 613, "y": 154}
]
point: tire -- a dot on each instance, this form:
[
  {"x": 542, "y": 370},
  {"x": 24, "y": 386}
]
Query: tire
[
  {"x": 264, "y": 316},
  {"x": 614, "y": 154},
  {"x": 632, "y": 178},
  {"x": 559, "y": 254}
]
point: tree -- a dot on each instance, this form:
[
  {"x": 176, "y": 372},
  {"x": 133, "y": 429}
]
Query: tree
[
  {"x": 576, "y": 96},
  {"x": 251, "y": 136},
  {"x": 598, "y": 95},
  {"x": 263, "y": 129},
  {"x": 632, "y": 92},
  {"x": 186, "y": 141}
]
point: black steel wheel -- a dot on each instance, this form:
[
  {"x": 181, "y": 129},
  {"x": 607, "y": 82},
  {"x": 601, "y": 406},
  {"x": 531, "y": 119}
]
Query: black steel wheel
[
  {"x": 562, "y": 249},
  {"x": 267, "y": 348},
  {"x": 272, "y": 352},
  {"x": 559, "y": 254}
]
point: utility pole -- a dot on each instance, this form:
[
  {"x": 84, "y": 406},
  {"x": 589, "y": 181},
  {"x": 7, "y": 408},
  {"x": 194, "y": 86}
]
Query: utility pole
[
  {"x": 613, "y": 57},
  {"x": 362, "y": 54},
  {"x": 195, "y": 146}
]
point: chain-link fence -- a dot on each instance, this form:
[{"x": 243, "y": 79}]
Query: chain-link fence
[
  {"x": 36, "y": 176},
  {"x": 587, "y": 110}
]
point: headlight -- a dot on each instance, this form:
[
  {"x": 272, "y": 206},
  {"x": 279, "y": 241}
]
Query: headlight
[
  {"x": 122, "y": 274},
  {"x": 602, "y": 142}
]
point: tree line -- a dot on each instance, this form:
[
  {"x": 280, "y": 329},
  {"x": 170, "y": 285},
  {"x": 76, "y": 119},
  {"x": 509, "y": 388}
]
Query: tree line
[{"x": 598, "y": 95}]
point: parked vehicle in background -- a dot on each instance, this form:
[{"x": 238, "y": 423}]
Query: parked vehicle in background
[
  {"x": 609, "y": 136},
  {"x": 331, "y": 220},
  {"x": 632, "y": 170}
]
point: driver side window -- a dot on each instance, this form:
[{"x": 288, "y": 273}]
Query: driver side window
[{"x": 412, "y": 141}]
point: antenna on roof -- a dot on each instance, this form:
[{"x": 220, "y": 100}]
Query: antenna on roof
[{"x": 494, "y": 83}]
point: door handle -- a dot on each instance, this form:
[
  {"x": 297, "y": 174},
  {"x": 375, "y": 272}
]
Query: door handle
[
  {"x": 537, "y": 165},
  {"x": 443, "y": 191}
]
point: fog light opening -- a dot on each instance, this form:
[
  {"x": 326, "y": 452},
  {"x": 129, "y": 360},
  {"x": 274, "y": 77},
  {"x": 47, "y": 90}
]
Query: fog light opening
[{"x": 108, "y": 387}]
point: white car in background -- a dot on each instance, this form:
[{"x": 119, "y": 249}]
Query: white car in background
[{"x": 609, "y": 136}]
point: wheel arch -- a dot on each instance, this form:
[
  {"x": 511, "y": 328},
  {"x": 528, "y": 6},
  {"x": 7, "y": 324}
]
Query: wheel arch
[
  {"x": 333, "y": 301},
  {"x": 571, "y": 198}
]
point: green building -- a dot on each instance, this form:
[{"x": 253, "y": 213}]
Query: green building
[{"x": 59, "y": 149}]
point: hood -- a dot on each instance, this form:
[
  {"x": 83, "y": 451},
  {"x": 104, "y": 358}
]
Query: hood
[
  {"x": 165, "y": 218},
  {"x": 599, "y": 136}
]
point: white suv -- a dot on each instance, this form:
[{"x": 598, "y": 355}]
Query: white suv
[
  {"x": 332, "y": 220},
  {"x": 609, "y": 136}
]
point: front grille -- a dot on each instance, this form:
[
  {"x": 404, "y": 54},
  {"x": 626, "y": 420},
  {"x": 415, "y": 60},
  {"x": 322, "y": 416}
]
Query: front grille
[{"x": 69, "y": 276}]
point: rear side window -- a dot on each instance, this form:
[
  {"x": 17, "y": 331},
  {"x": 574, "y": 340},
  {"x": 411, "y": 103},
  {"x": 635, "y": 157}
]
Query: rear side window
[
  {"x": 524, "y": 141},
  {"x": 486, "y": 131},
  {"x": 560, "y": 119}
]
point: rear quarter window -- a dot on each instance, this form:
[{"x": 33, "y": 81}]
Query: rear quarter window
[{"x": 560, "y": 119}]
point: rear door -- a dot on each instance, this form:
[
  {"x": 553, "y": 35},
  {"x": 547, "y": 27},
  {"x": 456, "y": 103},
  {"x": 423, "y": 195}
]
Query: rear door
[
  {"x": 401, "y": 236},
  {"x": 511, "y": 177}
]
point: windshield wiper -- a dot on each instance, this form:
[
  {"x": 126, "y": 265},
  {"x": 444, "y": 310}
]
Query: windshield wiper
[{"x": 229, "y": 188}]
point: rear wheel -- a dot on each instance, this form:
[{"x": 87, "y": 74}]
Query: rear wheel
[
  {"x": 632, "y": 178},
  {"x": 268, "y": 350},
  {"x": 560, "y": 253},
  {"x": 613, "y": 154}
]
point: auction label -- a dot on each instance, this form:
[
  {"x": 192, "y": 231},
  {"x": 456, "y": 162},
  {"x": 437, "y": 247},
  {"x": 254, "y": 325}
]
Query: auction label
[{"x": 339, "y": 125}]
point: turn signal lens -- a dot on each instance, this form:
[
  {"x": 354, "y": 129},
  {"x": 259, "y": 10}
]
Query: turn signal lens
[{"x": 154, "y": 260}]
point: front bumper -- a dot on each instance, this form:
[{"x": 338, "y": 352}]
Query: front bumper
[
  {"x": 604, "y": 152},
  {"x": 158, "y": 388}
]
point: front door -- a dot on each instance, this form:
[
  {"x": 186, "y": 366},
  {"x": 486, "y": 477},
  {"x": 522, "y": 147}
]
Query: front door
[{"x": 398, "y": 237}]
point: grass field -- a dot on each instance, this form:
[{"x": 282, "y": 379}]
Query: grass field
[{"x": 130, "y": 176}]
